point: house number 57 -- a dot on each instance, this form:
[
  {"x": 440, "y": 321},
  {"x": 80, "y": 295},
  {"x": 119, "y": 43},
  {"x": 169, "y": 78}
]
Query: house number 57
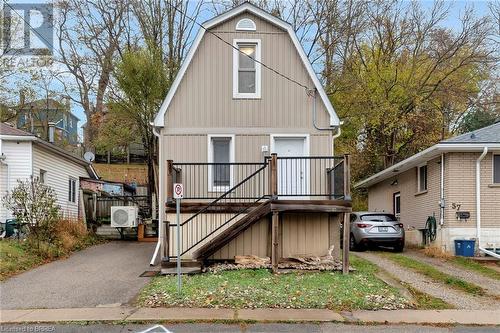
[{"x": 456, "y": 206}]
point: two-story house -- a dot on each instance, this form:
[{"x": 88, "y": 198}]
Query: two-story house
[
  {"x": 39, "y": 116},
  {"x": 248, "y": 129}
]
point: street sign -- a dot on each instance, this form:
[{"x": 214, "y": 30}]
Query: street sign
[{"x": 178, "y": 191}]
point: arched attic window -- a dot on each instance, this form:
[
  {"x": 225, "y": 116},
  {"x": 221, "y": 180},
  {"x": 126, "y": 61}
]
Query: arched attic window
[{"x": 246, "y": 24}]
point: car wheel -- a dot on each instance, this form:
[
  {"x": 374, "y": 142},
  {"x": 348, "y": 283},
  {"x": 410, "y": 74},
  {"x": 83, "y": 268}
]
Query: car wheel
[
  {"x": 352, "y": 243},
  {"x": 399, "y": 247}
]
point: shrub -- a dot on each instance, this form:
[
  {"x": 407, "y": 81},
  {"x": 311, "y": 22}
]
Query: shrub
[{"x": 34, "y": 204}]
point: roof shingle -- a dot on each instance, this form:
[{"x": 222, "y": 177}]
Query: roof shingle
[{"x": 488, "y": 134}]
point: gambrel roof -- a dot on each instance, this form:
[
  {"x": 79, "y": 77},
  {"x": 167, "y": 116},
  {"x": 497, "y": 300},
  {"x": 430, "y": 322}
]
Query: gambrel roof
[{"x": 246, "y": 7}]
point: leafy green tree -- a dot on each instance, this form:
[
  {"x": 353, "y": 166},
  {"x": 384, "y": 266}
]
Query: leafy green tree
[
  {"x": 143, "y": 82},
  {"x": 476, "y": 119}
]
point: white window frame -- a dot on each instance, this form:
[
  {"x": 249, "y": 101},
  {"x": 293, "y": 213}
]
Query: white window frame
[
  {"x": 493, "y": 168},
  {"x": 71, "y": 179},
  {"x": 394, "y": 196},
  {"x": 236, "y": 53},
  {"x": 420, "y": 190},
  {"x": 211, "y": 187},
  {"x": 240, "y": 28}
]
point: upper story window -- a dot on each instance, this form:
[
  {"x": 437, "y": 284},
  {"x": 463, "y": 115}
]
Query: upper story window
[
  {"x": 246, "y": 25},
  {"x": 496, "y": 169},
  {"x": 422, "y": 178},
  {"x": 246, "y": 68}
]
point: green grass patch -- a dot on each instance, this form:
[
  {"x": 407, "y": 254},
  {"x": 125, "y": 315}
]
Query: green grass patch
[
  {"x": 261, "y": 289},
  {"x": 16, "y": 257},
  {"x": 475, "y": 266},
  {"x": 435, "y": 274},
  {"x": 425, "y": 301}
]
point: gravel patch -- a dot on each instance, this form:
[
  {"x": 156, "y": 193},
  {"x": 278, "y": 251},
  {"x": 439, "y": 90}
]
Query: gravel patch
[
  {"x": 492, "y": 286},
  {"x": 424, "y": 284}
]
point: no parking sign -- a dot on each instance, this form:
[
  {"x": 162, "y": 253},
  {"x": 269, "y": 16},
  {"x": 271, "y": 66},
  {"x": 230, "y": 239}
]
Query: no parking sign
[{"x": 178, "y": 191}]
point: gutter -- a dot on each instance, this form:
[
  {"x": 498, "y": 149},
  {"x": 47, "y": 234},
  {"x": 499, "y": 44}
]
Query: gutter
[
  {"x": 161, "y": 200},
  {"x": 441, "y": 187},
  {"x": 478, "y": 204}
]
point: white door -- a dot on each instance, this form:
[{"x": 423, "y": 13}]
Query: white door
[{"x": 292, "y": 173}]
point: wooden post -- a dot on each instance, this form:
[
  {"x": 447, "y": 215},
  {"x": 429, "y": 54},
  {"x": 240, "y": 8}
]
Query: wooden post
[
  {"x": 275, "y": 239},
  {"x": 347, "y": 226},
  {"x": 274, "y": 175},
  {"x": 345, "y": 245},
  {"x": 170, "y": 181},
  {"x": 347, "y": 177},
  {"x": 334, "y": 234}
]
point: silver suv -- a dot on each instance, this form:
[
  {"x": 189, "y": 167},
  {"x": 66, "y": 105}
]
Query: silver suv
[{"x": 376, "y": 228}]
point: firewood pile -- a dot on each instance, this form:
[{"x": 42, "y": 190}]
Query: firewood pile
[{"x": 305, "y": 262}]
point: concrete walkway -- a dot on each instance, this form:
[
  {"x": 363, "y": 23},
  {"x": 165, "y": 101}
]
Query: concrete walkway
[
  {"x": 129, "y": 314},
  {"x": 100, "y": 275}
]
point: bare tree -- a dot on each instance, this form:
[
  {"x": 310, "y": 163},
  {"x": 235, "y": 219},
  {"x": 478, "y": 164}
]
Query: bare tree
[{"x": 89, "y": 34}]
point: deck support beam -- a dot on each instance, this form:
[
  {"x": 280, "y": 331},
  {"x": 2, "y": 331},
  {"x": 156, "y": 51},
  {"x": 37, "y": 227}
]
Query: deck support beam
[{"x": 275, "y": 241}]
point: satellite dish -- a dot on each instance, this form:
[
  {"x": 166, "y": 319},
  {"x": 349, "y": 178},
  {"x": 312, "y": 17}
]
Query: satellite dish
[{"x": 89, "y": 156}]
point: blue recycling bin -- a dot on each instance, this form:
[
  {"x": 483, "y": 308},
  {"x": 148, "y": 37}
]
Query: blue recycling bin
[{"x": 464, "y": 247}]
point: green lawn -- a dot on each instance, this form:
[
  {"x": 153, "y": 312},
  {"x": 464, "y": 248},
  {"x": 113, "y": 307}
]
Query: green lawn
[
  {"x": 425, "y": 301},
  {"x": 16, "y": 257},
  {"x": 435, "y": 274},
  {"x": 475, "y": 266},
  {"x": 261, "y": 289}
]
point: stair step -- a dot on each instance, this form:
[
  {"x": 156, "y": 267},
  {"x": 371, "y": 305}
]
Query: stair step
[
  {"x": 173, "y": 264},
  {"x": 184, "y": 270}
]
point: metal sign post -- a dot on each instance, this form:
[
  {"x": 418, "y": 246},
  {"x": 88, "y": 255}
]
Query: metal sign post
[{"x": 178, "y": 194}]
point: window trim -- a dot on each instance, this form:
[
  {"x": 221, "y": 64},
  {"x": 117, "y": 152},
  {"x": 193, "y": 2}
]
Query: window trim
[
  {"x": 72, "y": 191},
  {"x": 236, "y": 52},
  {"x": 394, "y": 196},
  {"x": 423, "y": 190},
  {"x": 493, "y": 168},
  {"x": 240, "y": 28},
  {"x": 210, "y": 151},
  {"x": 44, "y": 173}
]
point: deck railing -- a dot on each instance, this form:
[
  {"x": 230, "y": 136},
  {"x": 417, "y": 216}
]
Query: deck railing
[{"x": 217, "y": 194}]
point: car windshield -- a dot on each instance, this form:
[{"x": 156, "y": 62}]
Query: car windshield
[{"x": 378, "y": 217}]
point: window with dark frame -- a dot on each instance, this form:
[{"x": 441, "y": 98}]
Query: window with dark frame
[
  {"x": 43, "y": 176},
  {"x": 72, "y": 190},
  {"x": 422, "y": 178},
  {"x": 496, "y": 169},
  {"x": 397, "y": 204},
  {"x": 221, "y": 151}
]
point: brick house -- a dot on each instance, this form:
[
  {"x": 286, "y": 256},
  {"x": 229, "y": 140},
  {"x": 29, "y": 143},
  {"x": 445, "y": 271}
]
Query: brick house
[{"x": 457, "y": 181}]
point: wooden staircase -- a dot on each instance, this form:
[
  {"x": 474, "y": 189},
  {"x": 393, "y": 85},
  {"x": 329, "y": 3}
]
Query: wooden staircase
[{"x": 231, "y": 232}]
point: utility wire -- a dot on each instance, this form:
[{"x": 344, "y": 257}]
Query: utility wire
[
  {"x": 195, "y": 22},
  {"x": 235, "y": 48}
]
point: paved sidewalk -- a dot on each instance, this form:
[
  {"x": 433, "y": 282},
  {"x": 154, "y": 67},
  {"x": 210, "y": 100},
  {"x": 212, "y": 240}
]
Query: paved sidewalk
[{"x": 129, "y": 314}]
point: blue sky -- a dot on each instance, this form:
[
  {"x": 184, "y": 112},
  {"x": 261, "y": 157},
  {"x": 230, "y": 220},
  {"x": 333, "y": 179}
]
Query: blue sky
[{"x": 452, "y": 22}]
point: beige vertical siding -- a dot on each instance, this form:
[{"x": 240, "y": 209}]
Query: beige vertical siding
[
  {"x": 415, "y": 207},
  {"x": 301, "y": 234},
  {"x": 204, "y": 103},
  {"x": 461, "y": 189}
]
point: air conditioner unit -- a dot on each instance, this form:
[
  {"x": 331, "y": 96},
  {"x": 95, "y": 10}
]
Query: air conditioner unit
[{"x": 124, "y": 216}]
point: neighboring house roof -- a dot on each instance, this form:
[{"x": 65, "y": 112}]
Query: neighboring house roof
[
  {"x": 488, "y": 134},
  {"x": 474, "y": 141},
  {"x": 8, "y": 132},
  {"x": 246, "y": 7},
  {"x": 6, "y": 129},
  {"x": 44, "y": 104}
]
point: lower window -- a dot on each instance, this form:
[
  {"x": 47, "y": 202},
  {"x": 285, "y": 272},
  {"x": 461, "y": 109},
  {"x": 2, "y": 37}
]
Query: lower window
[
  {"x": 72, "y": 190},
  {"x": 220, "y": 157}
]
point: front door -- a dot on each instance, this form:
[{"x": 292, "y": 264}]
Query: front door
[{"x": 292, "y": 172}]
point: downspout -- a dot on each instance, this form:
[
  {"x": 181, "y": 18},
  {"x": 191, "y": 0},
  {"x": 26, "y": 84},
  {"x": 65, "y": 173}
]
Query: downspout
[
  {"x": 478, "y": 205},
  {"x": 441, "y": 186},
  {"x": 161, "y": 201},
  {"x": 313, "y": 93}
]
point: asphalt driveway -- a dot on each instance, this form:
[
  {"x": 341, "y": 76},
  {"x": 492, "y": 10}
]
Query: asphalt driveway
[{"x": 103, "y": 275}]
